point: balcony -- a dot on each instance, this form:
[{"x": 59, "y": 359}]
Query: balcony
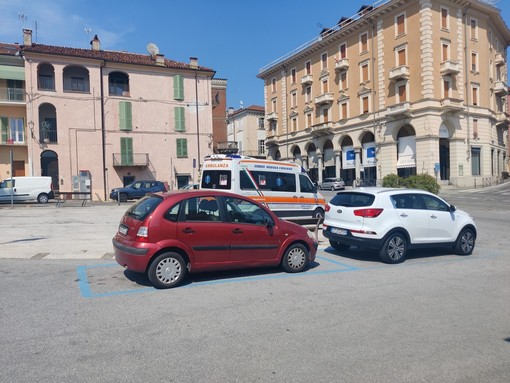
[
  {"x": 500, "y": 60},
  {"x": 13, "y": 140},
  {"x": 399, "y": 73},
  {"x": 135, "y": 159},
  {"x": 500, "y": 87},
  {"x": 325, "y": 98},
  {"x": 449, "y": 67},
  {"x": 271, "y": 140},
  {"x": 307, "y": 80},
  {"x": 451, "y": 104},
  {"x": 342, "y": 65},
  {"x": 273, "y": 116},
  {"x": 502, "y": 118},
  {"x": 399, "y": 110},
  {"x": 12, "y": 96},
  {"x": 322, "y": 129},
  {"x": 227, "y": 147}
]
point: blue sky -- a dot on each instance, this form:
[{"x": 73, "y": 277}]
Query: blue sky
[{"x": 235, "y": 38}]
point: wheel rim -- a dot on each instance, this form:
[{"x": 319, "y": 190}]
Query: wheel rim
[
  {"x": 43, "y": 199},
  {"x": 168, "y": 270},
  {"x": 396, "y": 248},
  {"x": 467, "y": 242},
  {"x": 296, "y": 258}
]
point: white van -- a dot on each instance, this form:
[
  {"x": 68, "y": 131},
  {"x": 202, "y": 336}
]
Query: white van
[
  {"x": 284, "y": 187},
  {"x": 26, "y": 189}
]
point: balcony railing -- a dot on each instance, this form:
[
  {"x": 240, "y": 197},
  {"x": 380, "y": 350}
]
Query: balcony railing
[
  {"x": 502, "y": 118},
  {"x": 325, "y": 98},
  {"x": 272, "y": 116},
  {"x": 322, "y": 129},
  {"x": 399, "y": 110},
  {"x": 500, "y": 87},
  {"x": 449, "y": 67},
  {"x": 451, "y": 104},
  {"x": 48, "y": 136},
  {"x": 307, "y": 79},
  {"x": 341, "y": 65},
  {"x": 127, "y": 159},
  {"x": 500, "y": 60},
  {"x": 15, "y": 95},
  {"x": 227, "y": 147},
  {"x": 399, "y": 73}
]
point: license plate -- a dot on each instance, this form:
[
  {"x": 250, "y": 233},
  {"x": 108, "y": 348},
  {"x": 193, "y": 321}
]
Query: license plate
[
  {"x": 123, "y": 229},
  {"x": 335, "y": 230}
]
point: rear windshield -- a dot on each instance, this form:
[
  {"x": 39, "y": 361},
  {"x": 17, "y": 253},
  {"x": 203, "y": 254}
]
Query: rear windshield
[
  {"x": 216, "y": 179},
  {"x": 352, "y": 199},
  {"x": 141, "y": 209}
]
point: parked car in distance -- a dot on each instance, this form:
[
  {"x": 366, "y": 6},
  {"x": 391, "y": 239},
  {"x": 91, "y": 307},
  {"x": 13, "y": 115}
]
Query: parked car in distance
[
  {"x": 332, "y": 184},
  {"x": 189, "y": 187},
  {"x": 168, "y": 235},
  {"x": 391, "y": 221},
  {"x": 38, "y": 189},
  {"x": 136, "y": 190}
]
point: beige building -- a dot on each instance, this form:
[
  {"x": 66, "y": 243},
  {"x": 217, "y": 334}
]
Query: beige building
[
  {"x": 404, "y": 86},
  {"x": 113, "y": 116},
  {"x": 245, "y": 131}
]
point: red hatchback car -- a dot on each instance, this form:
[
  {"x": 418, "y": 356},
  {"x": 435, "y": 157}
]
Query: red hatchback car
[{"x": 167, "y": 235}]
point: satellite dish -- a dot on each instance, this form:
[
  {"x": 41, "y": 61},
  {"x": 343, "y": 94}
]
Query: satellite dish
[{"x": 152, "y": 49}]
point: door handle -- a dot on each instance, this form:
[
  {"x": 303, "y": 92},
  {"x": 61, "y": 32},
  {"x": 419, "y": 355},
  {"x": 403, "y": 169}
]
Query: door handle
[
  {"x": 403, "y": 215},
  {"x": 433, "y": 216},
  {"x": 237, "y": 231},
  {"x": 295, "y": 196},
  {"x": 188, "y": 230}
]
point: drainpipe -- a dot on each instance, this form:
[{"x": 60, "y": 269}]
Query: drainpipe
[
  {"x": 468, "y": 90},
  {"x": 373, "y": 96},
  {"x": 103, "y": 128}
]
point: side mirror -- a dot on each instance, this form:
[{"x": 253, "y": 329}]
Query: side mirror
[
  {"x": 452, "y": 208},
  {"x": 268, "y": 222}
]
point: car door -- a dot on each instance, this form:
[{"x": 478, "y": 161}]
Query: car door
[
  {"x": 413, "y": 215},
  {"x": 201, "y": 229},
  {"x": 252, "y": 240},
  {"x": 442, "y": 223}
]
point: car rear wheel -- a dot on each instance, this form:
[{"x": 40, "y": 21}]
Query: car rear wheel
[
  {"x": 295, "y": 258},
  {"x": 42, "y": 198},
  {"x": 465, "y": 242},
  {"x": 318, "y": 213},
  {"x": 167, "y": 270},
  {"x": 338, "y": 246},
  {"x": 394, "y": 249}
]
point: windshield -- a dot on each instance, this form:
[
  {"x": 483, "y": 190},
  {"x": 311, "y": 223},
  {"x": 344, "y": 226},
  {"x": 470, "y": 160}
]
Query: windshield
[{"x": 141, "y": 209}]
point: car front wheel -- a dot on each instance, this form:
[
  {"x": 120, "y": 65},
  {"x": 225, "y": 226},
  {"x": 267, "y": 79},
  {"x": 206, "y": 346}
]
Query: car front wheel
[
  {"x": 295, "y": 258},
  {"x": 167, "y": 270},
  {"x": 394, "y": 249},
  {"x": 465, "y": 242}
]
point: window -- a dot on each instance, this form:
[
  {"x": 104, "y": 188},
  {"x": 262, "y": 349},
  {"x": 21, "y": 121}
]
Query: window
[
  {"x": 474, "y": 61},
  {"x": 343, "y": 81},
  {"x": 474, "y": 29},
  {"x": 293, "y": 75},
  {"x": 474, "y": 94},
  {"x": 364, "y": 104},
  {"x": 309, "y": 120},
  {"x": 293, "y": 123},
  {"x": 273, "y": 105},
  {"x": 12, "y": 130},
  {"x": 273, "y": 181},
  {"x": 325, "y": 115},
  {"x": 262, "y": 147},
  {"x": 343, "y": 110},
  {"x": 45, "y": 77},
  {"x": 433, "y": 203},
  {"x": 447, "y": 85},
  {"x": 445, "y": 51},
  {"x": 178, "y": 87},
  {"x": 401, "y": 91},
  {"x": 273, "y": 85},
  {"x": 126, "y": 151},
  {"x": 401, "y": 56},
  {"x": 325, "y": 87},
  {"x": 343, "y": 51},
  {"x": 76, "y": 79},
  {"x": 364, "y": 72},
  {"x": 363, "y": 43},
  {"x": 293, "y": 99},
  {"x": 182, "y": 147},
  {"x": 217, "y": 179},
  {"x": 308, "y": 67},
  {"x": 475, "y": 161},
  {"x": 324, "y": 61},
  {"x": 77, "y": 84},
  {"x": 179, "y": 119},
  {"x": 475, "y": 128},
  {"x": 445, "y": 20},
  {"x": 125, "y": 116},
  {"x": 118, "y": 84},
  {"x": 308, "y": 93},
  {"x": 400, "y": 28},
  {"x": 202, "y": 209}
]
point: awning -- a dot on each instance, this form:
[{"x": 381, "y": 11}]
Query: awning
[{"x": 12, "y": 72}]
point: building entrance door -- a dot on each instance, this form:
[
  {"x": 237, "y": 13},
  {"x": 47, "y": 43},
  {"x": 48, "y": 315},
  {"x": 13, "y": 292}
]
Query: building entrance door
[{"x": 444, "y": 159}]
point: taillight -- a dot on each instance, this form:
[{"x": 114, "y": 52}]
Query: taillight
[
  {"x": 143, "y": 234},
  {"x": 328, "y": 208},
  {"x": 368, "y": 213}
]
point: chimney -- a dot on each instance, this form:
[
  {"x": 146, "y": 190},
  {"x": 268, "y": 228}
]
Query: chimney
[
  {"x": 193, "y": 62},
  {"x": 27, "y": 37},
  {"x": 160, "y": 59},
  {"x": 95, "y": 44}
]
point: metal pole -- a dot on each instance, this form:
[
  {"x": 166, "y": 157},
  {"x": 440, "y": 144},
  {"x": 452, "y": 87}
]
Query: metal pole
[{"x": 198, "y": 126}]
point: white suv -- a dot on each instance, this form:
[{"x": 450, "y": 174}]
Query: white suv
[{"x": 394, "y": 220}]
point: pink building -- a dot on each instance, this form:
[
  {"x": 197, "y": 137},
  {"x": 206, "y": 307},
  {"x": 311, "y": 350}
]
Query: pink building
[{"x": 117, "y": 116}]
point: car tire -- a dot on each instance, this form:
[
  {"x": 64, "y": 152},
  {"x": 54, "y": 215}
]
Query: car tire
[
  {"x": 338, "y": 246},
  {"x": 295, "y": 258},
  {"x": 167, "y": 270},
  {"x": 42, "y": 198},
  {"x": 123, "y": 197},
  {"x": 465, "y": 242},
  {"x": 394, "y": 249},
  {"x": 332, "y": 188},
  {"x": 318, "y": 213}
]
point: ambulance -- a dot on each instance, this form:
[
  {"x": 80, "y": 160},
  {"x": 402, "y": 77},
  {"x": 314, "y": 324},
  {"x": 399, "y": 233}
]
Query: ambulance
[{"x": 284, "y": 187}]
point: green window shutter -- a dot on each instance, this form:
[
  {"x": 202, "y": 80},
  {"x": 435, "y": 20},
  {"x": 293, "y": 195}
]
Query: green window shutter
[
  {"x": 4, "y": 125},
  {"x": 125, "y": 116},
  {"x": 126, "y": 151},
  {"x": 178, "y": 87},
  {"x": 182, "y": 147},
  {"x": 180, "y": 125}
]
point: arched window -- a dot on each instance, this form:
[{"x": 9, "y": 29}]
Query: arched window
[
  {"x": 406, "y": 163},
  {"x": 47, "y": 124},
  {"x": 76, "y": 79},
  {"x": 118, "y": 84},
  {"x": 45, "y": 77}
]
